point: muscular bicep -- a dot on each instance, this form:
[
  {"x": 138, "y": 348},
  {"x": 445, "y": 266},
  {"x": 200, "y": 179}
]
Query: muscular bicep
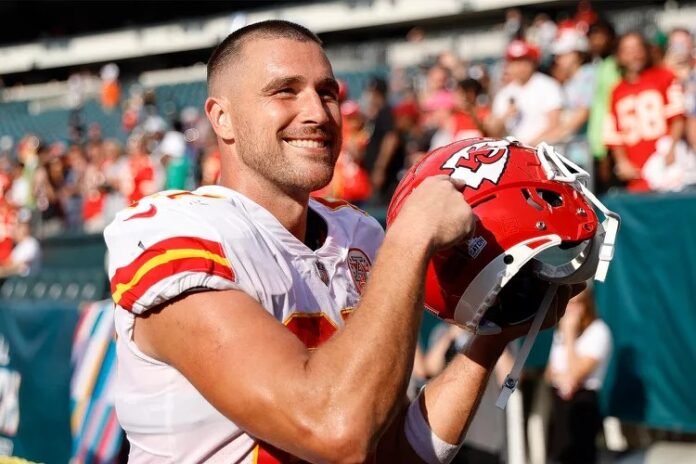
[{"x": 244, "y": 362}]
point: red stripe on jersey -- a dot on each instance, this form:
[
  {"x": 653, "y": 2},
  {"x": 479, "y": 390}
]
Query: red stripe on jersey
[
  {"x": 171, "y": 268},
  {"x": 126, "y": 273}
]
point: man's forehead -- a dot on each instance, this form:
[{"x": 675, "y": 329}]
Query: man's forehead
[{"x": 270, "y": 57}]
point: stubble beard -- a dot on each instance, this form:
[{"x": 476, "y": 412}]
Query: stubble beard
[{"x": 265, "y": 156}]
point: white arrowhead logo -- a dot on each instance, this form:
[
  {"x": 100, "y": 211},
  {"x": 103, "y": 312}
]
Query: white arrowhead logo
[{"x": 479, "y": 161}]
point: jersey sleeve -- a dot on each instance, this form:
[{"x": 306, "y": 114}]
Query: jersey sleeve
[{"x": 162, "y": 248}]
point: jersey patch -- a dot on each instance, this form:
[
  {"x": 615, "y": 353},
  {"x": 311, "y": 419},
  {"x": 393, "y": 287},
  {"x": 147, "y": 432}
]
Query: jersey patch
[
  {"x": 165, "y": 259},
  {"x": 359, "y": 265}
]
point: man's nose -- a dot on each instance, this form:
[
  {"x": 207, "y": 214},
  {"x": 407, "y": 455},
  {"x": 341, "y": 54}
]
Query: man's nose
[{"x": 313, "y": 108}]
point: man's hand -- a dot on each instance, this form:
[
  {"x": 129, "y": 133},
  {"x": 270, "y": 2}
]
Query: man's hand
[
  {"x": 554, "y": 314},
  {"x": 437, "y": 213}
]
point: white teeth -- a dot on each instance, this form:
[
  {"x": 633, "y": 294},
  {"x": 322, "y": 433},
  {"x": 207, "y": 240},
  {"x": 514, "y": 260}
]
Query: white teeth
[{"x": 304, "y": 143}]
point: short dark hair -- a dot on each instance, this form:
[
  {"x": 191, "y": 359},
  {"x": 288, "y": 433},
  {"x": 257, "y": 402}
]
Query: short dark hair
[
  {"x": 378, "y": 85},
  {"x": 470, "y": 85},
  {"x": 231, "y": 47},
  {"x": 602, "y": 25}
]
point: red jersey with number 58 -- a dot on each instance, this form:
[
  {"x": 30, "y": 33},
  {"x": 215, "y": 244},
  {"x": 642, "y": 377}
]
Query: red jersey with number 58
[{"x": 640, "y": 113}]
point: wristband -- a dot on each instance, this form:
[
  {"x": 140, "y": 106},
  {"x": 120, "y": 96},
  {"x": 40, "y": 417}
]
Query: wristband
[{"x": 429, "y": 447}]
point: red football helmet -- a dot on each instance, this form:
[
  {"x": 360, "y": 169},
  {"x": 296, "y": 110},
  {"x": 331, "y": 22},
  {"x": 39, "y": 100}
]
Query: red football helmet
[{"x": 535, "y": 227}]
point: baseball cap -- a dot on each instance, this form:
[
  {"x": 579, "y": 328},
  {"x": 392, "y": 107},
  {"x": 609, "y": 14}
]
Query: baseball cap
[
  {"x": 569, "y": 41},
  {"x": 520, "y": 49}
]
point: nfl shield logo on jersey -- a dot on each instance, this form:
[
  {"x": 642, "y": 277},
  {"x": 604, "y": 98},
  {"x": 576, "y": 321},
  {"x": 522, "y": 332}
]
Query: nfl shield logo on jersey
[
  {"x": 479, "y": 161},
  {"x": 359, "y": 265}
]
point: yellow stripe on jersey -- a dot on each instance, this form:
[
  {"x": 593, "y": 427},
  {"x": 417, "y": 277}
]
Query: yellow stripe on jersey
[{"x": 167, "y": 256}]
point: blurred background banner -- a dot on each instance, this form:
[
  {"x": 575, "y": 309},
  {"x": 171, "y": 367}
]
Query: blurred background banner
[
  {"x": 648, "y": 301},
  {"x": 35, "y": 379},
  {"x": 97, "y": 436}
]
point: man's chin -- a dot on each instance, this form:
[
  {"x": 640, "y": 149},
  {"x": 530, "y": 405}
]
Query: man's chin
[{"x": 318, "y": 181}]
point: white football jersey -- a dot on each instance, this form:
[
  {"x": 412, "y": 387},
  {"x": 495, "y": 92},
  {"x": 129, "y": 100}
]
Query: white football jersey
[{"x": 176, "y": 241}]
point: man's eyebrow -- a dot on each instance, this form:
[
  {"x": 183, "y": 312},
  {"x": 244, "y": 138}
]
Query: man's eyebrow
[
  {"x": 280, "y": 82},
  {"x": 329, "y": 82}
]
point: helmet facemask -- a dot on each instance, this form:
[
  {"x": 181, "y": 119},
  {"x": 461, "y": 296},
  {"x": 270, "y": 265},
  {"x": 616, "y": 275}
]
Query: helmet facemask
[{"x": 564, "y": 263}]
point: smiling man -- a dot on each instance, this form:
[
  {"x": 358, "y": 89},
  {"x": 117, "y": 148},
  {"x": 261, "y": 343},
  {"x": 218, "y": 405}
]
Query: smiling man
[{"x": 258, "y": 325}]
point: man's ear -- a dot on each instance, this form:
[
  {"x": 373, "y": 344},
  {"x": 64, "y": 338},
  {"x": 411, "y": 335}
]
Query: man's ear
[{"x": 217, "y": 111}]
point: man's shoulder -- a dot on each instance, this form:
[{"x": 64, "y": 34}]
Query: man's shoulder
[
  {"x": 174, "y": 241},
  {"x": 177, "y": 213}
]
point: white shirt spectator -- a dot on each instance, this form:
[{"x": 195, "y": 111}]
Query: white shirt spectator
[
  {"x": 28, "y": 253},
  {"x": 595, "y": 343},
  {"x": 533, "y": 100}
]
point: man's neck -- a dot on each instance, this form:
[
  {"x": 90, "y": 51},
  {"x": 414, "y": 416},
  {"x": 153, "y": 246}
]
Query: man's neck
[{"x": 290, "y": 210}]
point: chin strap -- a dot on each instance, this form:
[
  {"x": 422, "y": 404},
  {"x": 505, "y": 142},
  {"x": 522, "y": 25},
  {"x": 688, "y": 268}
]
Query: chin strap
[{"x": 514, "y": 376}]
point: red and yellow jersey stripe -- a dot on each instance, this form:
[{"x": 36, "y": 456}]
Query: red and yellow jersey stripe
[{"x": 165, "y": 259}]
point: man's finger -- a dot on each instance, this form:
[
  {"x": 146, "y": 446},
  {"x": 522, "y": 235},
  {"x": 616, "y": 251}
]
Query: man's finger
[{"x": 459, "y": 184}]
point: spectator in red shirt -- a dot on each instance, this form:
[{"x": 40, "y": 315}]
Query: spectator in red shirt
[
  {"x": 469, "y": 117},
  {"x": 350, "y": 180},
  {"x": 8, "y": 219},
  {"x": 646, "y": 104},
  {"x": 139, "y": 178}
]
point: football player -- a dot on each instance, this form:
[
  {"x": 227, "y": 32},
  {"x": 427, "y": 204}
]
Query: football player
[{"x": 258, "y": 325}]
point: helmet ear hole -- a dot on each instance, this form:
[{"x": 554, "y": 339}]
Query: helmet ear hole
[
  {"x": 552, "y": 198},
  {"x": 531, "y": 201}
]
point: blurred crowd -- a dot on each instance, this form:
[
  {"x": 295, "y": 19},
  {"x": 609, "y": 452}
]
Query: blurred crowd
[
  {"x": 622, "y": 108},
  {"x": 78, "y": 185}
]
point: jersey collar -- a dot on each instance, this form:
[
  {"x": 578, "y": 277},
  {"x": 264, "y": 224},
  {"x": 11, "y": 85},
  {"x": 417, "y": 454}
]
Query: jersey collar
[{"x": 262, "y": 217}]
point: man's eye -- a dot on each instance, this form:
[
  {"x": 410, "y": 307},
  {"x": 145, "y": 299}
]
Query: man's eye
[
  {"x": 329, "y": 94},
  {"x": 286, "y": 91}
]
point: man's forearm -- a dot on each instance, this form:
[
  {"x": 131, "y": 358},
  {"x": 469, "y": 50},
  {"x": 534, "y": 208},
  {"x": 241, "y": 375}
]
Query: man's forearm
[
  {"x": 449, "y": 401},
  {"x": 372, "y": 374},
  {"x": 451, "y": 398}
]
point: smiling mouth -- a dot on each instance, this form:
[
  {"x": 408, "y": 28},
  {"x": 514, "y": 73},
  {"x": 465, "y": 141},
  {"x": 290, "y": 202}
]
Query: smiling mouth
[{"x": 307, "y": 143}]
